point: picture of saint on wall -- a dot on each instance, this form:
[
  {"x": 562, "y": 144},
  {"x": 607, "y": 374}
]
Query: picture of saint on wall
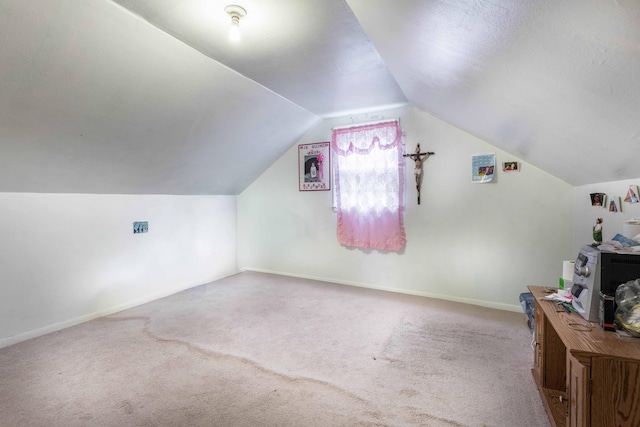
[
  {"x": 598, "y": 199},
  {"x": 614, "y": 204},
  {"x": 632, "y": 194},
  {"x": 314, "y": 167}
]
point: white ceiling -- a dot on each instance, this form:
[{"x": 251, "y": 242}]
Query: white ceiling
[
  {"x": 556, "y": 82},
  {"x": 149, "y": 96}
]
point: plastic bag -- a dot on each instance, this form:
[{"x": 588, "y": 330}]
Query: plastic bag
[
  {"x": 526, "y": 301},
  {"x": 628, "y": 311}
]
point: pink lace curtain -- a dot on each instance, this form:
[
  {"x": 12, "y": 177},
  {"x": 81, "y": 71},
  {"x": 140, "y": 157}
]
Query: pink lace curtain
[{"x": 369, "y": 170}]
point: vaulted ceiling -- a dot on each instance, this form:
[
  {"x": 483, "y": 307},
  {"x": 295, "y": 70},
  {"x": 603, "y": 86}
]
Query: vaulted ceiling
[{"x": 150, "y": 96}]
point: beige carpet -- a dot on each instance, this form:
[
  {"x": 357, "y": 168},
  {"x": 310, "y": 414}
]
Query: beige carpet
[{"x": 265, "y": 350}]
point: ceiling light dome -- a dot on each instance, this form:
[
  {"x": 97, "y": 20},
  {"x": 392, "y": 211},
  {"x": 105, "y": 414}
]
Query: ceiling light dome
[{"x": 235, "y": 12}]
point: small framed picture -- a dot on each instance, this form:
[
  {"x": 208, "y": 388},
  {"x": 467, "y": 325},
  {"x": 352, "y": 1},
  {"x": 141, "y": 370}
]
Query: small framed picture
[
  {"x": 140, "y": 227},
  {"x": 510, "y": 167},
  {"x": 314, "y": 167},
  {"x": 598, "y": 199},
  {"x": 613, "y": 203},
  {"x": 632, "y": 194}
]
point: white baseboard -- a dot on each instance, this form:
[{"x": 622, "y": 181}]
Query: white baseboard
[
  {"x": 6, "y": 342},
  {"x": 489, "y": 304},
  {"x": 15, "y": 339}
]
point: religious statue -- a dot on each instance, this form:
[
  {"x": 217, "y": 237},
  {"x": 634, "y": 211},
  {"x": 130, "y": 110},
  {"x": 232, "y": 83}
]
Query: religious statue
[
  {"x": 597, "y": 232},
  {"x": 419, "y": 157}
]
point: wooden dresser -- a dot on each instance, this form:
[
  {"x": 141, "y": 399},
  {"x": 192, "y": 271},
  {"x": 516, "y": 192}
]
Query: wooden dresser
[{"x": 586, "y": 376}]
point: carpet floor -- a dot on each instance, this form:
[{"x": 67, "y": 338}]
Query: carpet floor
[{"x": 265, "y": 350}]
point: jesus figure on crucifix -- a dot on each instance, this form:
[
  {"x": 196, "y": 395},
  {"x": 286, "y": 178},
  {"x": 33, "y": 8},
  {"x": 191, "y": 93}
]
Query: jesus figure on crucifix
[{"x": 419, "y": 157}]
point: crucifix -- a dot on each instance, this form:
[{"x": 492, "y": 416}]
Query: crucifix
[{"x": 419, "y": 157}]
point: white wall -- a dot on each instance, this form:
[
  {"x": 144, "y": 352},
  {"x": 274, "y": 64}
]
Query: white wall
[
  {"x": 586, "y": 214},
  {"x": 478, "y": 243},
  {"x": 67, "y": 258}
]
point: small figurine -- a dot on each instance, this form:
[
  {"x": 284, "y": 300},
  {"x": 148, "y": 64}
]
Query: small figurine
[{"x": 597, "y": 232}]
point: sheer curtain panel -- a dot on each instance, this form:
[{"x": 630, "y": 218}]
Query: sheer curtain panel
[{"x": 369, "y": 183}]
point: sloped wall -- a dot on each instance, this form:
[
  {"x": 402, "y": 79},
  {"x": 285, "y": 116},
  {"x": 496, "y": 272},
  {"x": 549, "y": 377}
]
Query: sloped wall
[
  {"x": 68, "y": 258},
  {"x": 477, "y": 243}
]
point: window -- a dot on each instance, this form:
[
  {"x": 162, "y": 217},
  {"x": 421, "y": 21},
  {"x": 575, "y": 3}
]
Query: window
[{"x": 369, "y": 184}]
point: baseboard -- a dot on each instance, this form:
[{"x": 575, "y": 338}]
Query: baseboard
[
  {"x": 6, "y": 342},
  {"x": 15, "y": 339},
  {"x": 489, "y": 304}
]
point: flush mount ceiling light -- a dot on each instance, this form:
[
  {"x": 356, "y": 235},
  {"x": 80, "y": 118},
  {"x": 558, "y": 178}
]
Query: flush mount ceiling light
[{"x": 235, "y": 12}]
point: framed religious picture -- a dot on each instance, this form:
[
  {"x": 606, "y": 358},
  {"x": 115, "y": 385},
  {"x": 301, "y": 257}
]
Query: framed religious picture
[
  {"x": 613, "y": 202},
  {"x": 314, "y": 167},
  {"x": 598, "y": 199},
  {"x": 632, "y": 194}
]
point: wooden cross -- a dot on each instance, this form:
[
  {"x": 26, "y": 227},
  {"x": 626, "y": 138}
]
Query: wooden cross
[{"x": 419, "y": 157}]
